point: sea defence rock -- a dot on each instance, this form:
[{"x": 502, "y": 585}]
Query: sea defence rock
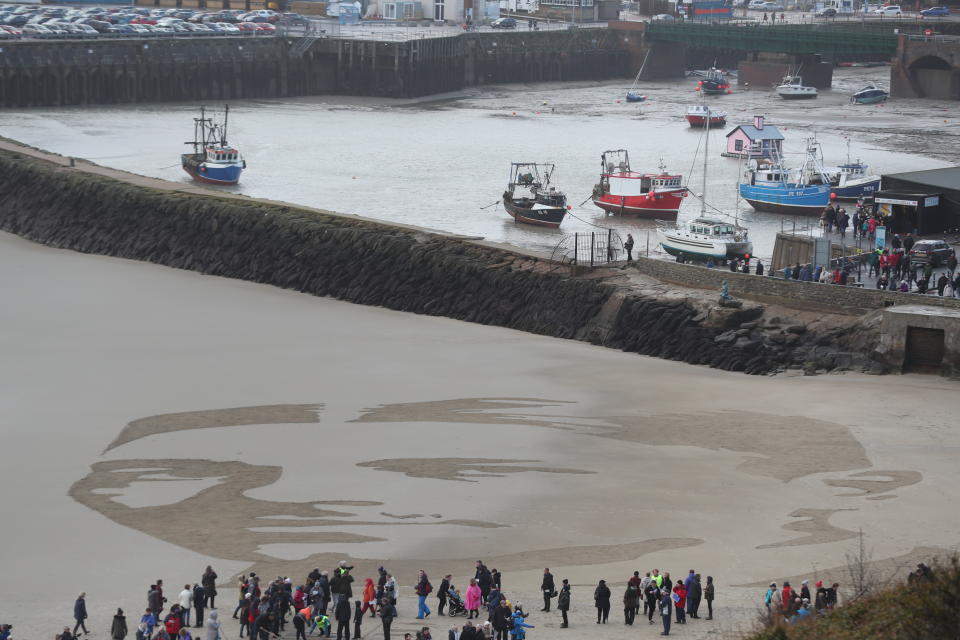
[{"x": 397, "y": 267}]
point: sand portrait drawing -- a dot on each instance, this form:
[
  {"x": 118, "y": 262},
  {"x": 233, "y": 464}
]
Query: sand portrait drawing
[{"x": 209, "y": 506}]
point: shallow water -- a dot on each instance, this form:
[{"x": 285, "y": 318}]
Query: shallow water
[{"x": 438, "y": 164}]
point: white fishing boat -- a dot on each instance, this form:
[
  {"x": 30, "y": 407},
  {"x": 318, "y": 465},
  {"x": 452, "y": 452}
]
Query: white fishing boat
[
  {"x": 705, "y": 237},
  {"x": 792, "y": 88}
]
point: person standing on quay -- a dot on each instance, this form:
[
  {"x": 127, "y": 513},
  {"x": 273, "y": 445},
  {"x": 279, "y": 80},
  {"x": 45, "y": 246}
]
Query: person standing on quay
[
  {"x": 694, "y": 594},
  {"x": 628, "y": 245},
  {"x": 708, "y": 595},
  {"x": 563, "y": 603},
  {"x": 601, "y": 599},
  {"x": 118, "y": 630},
  {"x": 199, "y": 598},
  {"x": 80, "y": 614},
  {"x": 185, "y": 600},
  {"x": 209, "y": 582},
  {"x": 548, "y": 588}
]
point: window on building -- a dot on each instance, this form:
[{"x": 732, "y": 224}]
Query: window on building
[{"x": 738, "y": 145}]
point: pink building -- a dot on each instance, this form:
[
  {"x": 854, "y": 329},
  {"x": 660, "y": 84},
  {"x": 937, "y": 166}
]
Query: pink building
[{"x": 757, "y": 140}]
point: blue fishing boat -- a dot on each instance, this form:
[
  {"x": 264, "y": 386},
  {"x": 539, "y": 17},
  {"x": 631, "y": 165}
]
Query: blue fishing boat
[
  {"x": 850, "y": 181},
  {"x": 770, "y": 186},
  {"x": 213, "y": 160},
  {"x": 633, "y": 96}
]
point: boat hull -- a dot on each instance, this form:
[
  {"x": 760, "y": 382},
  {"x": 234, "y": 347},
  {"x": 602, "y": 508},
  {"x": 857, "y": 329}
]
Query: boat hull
[
  {"x": 875, "y": 100},
  {"x": 211, "y": 174},
  {"x": 635, "y": 97},
  {"x": 549, "y": 217},
  {"x": 663, "y": 206},
  {"x": 797, "y": 96},
  {"x": 700, "y": 121},
  {"x": 702, "y": 250},
  {"x": 855, "y": 190},
  {"x": 793, "y": 200}
]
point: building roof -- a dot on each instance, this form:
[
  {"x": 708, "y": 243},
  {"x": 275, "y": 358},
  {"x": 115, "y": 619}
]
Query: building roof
[
  {"x": 947, "y": 178},
  {"x": 769, "y": 132}
]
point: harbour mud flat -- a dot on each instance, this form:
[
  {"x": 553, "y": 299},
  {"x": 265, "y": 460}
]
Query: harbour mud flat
[{"x": 95, "y": 210}]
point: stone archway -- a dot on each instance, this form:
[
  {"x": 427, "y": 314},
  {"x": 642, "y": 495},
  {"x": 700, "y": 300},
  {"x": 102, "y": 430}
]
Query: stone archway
[{"x": 934, "y": 77}]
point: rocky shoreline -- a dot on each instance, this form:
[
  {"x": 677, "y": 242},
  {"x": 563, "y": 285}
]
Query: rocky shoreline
[{"x": 90, "y": 209}]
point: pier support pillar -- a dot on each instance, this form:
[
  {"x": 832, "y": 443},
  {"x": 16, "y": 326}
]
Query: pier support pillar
[{"x": 764, "y": 70}]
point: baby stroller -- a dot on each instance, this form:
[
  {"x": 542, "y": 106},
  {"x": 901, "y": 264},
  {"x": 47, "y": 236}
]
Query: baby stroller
[{"x": 455, "y": 602}]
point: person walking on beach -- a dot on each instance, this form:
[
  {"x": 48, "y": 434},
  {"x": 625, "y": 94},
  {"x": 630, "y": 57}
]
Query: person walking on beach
[
  {"x": 441, "y": 593},
  {"x": 601, "y": 599},
  {"x": 472, "y": 599},
  {"x": 651, "y": 597},
  {"x": 387, "y": 613},
  {"x": 631, "y": 597},
  {"x": 209, "y": 582},
  {"x": 563, "y": 603},
  {"x": 708, "y": 595},
  {"x": 422, "y": 589},
  {"x": 342, "y": 615},
  {"x": 357, "y": 618},
  {"x": 666, "y": 609},
  {"x": 118, "y": 630},
  {"x": 213, "y": 625},
  {"x": 80, "y": 614},
  {"x": 694, "y": 594},
  {"x": 199, "y": 599},
  {"x": 185, "y": 600},
  {"x": 548, "y": 588}
]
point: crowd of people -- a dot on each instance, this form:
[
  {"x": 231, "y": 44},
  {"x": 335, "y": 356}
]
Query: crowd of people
[{"x": 264, "y": 608}]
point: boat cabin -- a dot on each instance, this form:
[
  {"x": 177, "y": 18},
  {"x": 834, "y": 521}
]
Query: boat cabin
[
  {"x": 762, "y": 173},
  {"x": 222, "y": 155},
  {"x": 757, "y": 140},
  {"x": 714, "y": 228},
  {"x": 637, "y": 184}
]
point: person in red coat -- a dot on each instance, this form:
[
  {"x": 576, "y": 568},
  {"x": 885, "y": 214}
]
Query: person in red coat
[{"x": 680, "y": 602}]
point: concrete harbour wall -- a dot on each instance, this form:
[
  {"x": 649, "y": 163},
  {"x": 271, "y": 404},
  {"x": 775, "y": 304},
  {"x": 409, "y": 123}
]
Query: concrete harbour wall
[{"x": 95, "y": 210}]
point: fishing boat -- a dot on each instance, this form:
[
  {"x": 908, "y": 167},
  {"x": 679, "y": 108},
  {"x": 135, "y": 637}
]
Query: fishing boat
[
  {"x": 792, "y": 88},
  {"x": 213, "y": 159},
  {"x": 850, "y": 181},
  {"x": 697, "y": 116},
  {"x": 531, "y": 199},
  {"x": 714, "y": 83},
  {"x": 703, "y": 237},
  {"x": 770, "y": 186},
  {"x": 633, "y": 96},
  {"x": 870, "y": 94},
  {"x": 622, "y": 191}
]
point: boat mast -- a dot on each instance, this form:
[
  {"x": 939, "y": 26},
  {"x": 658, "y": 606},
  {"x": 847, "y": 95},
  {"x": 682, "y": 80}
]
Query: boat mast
[
  {"x": 706, "y": 155},
  {"x": 223, "y": 133}
]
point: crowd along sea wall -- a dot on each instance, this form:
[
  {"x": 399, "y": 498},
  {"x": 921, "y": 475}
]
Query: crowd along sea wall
[{"x": 95, "y": 210}]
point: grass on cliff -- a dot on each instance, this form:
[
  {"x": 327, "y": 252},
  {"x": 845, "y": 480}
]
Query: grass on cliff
[{"x": 923, "y": 610}]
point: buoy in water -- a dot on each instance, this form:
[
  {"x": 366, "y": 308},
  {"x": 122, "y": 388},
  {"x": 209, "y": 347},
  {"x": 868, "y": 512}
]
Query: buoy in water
[
  {"x": 569, "y": 208},
  {"x": 833, "y": 196}
]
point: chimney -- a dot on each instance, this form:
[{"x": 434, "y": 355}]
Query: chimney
[{"x": 758, "y": 122}]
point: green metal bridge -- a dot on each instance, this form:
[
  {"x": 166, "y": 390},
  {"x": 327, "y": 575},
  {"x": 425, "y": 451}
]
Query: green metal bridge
[{"x": 787, "y": 38}]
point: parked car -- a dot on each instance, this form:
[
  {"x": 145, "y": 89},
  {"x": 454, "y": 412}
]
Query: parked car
[
  {"x": 247, "y": 27},
  {"x": 13, "y": 31},
  {"x": 935, "y": 12},
  {"x": 663, "y": 17},
  {"x": 293, "y": 19},
  {"x": 265, "y": 29},
  {"x": 228, "y": 28},
  {"x": 504, "y": 23},
  {"x": 37, "y": 31},
  {"x": 935, "y": 252},
  {"x": 892, "y": 10},
  {"x": 102, "y": 26},
  {"x": 827, "y": 12},
  {"x": 769, "y": 6}
]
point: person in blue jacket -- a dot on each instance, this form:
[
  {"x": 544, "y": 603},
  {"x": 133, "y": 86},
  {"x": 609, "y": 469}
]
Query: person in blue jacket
[{"x": 519, "y": 625}]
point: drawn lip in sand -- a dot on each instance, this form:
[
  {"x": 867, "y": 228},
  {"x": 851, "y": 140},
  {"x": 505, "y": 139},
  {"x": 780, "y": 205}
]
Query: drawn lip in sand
[{"x": 460, "y": 469}]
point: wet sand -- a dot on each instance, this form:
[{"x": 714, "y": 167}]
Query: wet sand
[{"x": 158, "y": 420}]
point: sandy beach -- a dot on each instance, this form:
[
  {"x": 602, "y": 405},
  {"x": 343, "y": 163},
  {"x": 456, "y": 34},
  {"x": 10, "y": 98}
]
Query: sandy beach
[{"x": 156, "y": 421}]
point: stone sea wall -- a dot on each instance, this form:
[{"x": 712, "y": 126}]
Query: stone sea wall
[{"x": 396, "y": 267}]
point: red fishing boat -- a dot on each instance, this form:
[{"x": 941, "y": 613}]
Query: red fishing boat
[
  {"x": 625, "y": 192},
  {"x": 699, "y": 114}
]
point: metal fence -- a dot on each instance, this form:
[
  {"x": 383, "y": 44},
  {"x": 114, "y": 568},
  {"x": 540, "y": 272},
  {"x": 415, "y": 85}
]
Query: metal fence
[{"x": 592, "y": 249}]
